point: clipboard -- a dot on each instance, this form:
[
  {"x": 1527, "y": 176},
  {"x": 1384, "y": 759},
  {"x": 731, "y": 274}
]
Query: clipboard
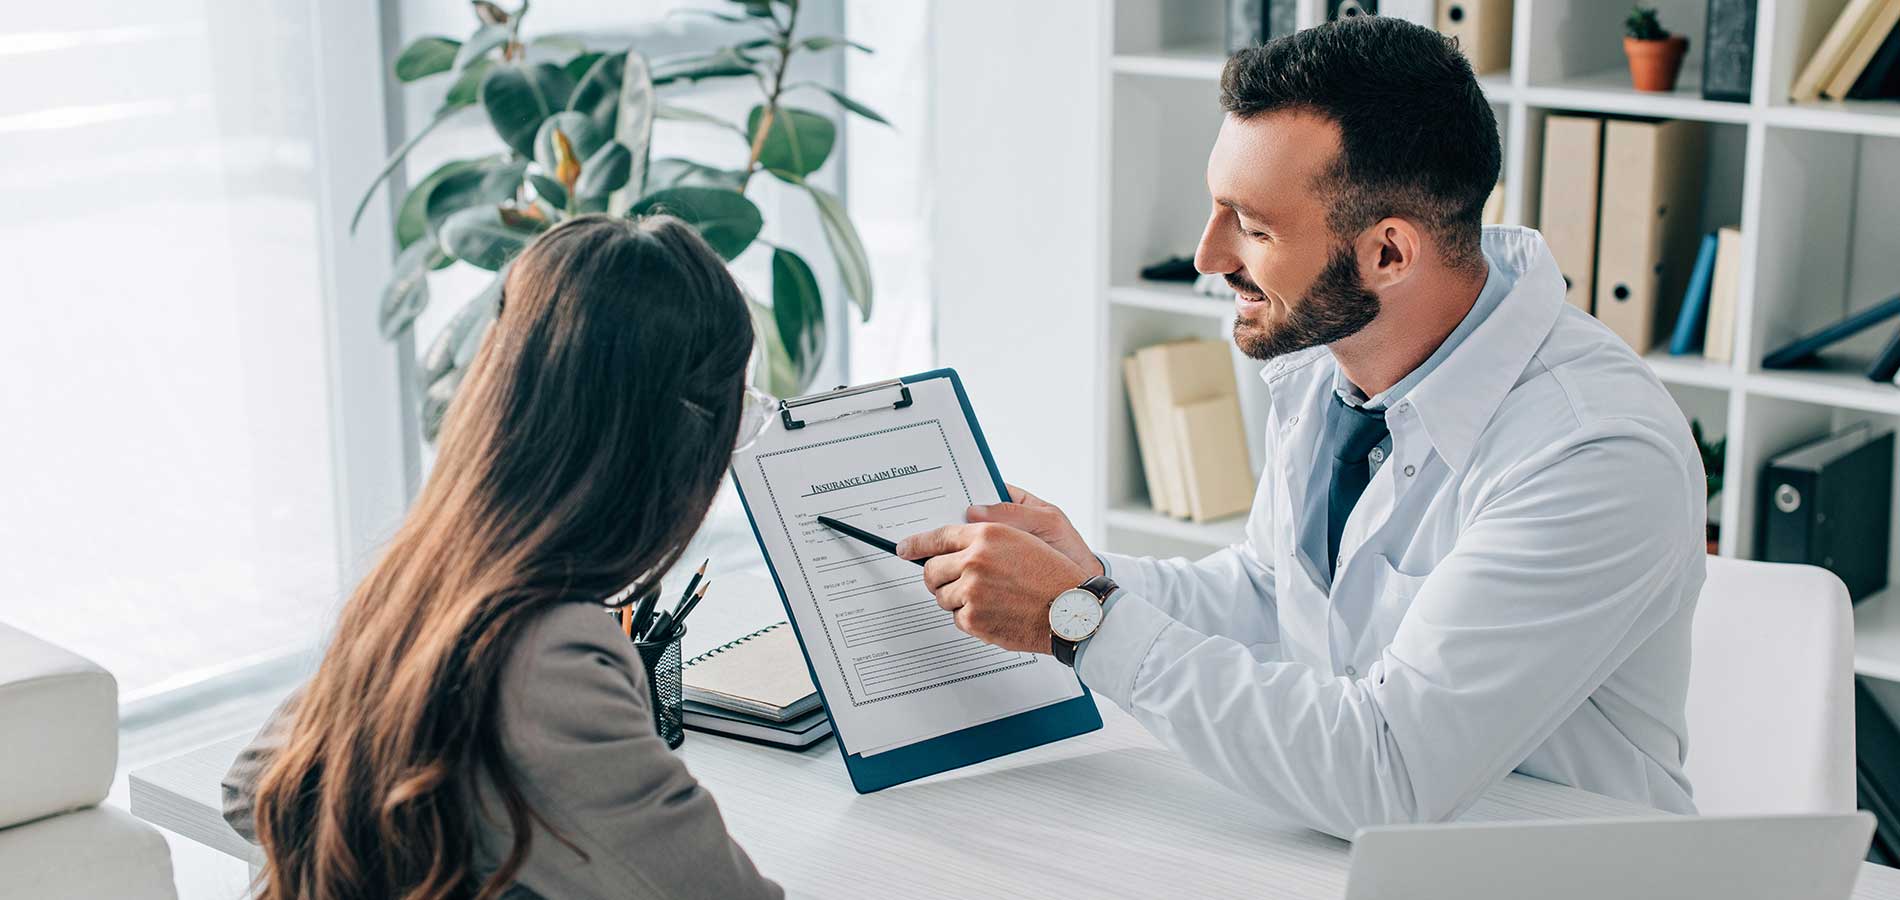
[{"x": 976, "y": 743}]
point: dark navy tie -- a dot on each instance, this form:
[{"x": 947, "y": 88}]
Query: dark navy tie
[{"x": 1351, "y": 434}]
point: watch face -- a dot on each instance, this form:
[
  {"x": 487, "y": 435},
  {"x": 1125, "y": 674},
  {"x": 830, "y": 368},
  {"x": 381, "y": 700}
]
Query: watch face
[{"x": 1075, "y": 615}]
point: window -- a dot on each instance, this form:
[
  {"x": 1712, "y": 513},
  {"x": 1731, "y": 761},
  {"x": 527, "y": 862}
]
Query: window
[{"x": 169, "y": 503}]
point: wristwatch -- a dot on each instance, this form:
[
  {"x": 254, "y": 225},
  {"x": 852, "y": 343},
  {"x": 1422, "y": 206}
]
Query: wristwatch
[{"x": 1074, "y": 616}]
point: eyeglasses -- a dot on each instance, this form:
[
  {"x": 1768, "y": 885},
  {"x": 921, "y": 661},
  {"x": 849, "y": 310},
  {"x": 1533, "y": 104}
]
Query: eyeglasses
[{"x": 760, "y": 407}]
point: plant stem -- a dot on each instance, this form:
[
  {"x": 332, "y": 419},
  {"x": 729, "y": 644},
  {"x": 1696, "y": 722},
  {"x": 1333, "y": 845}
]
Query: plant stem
[{"x": 771, "y": 100}]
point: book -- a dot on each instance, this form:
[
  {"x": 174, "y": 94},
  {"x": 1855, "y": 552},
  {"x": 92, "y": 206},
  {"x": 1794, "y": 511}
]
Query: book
[
  {"x": 1881, "y": 79},
  {"x": 1653, "y": 174},
  {"x": 1719, "y": 342},
  {"x": 1573, "y": 167},
  {"x": 1213, "y": 444},
  {"x": 803, "y": 731},
  {"x": 762, "y": 674},
  {"x": 1688, "y": 335},
  {"x": 1834, "y": 47},
  {"x": 1176, "y": 374},
  {"x": 1728, "y": 52},
  {"x": 1863, "y": 51},
  {"x": 1145, "y": 437}
]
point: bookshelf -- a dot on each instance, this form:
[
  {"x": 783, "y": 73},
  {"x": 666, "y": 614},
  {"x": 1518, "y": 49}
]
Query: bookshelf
[{"x": 1812, "y": 186}]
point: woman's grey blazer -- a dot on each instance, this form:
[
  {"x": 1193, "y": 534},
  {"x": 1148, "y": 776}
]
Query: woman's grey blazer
[{"x": 577, "y": 722}]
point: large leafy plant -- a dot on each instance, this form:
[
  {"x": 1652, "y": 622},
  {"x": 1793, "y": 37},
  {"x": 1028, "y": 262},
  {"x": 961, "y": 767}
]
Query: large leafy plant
[{"x": 574, "y": 128}]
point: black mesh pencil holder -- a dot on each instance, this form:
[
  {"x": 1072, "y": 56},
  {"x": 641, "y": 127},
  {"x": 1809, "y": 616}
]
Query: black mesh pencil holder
[{"x": 662, "y": 661}]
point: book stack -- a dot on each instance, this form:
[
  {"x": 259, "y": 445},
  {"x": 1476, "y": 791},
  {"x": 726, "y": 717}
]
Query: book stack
[
  {"x": 1619, "y": 213},
  {"x": 1858, "y": 58},
  {"x": 1188, "y": 429},
  {"x": 756, "y": 688}
]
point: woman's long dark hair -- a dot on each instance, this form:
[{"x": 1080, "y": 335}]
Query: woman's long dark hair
[{"x": 582, "y": 451}]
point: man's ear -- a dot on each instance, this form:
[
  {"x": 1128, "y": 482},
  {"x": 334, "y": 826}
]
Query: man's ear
[{"x": 1389, "y": 253}]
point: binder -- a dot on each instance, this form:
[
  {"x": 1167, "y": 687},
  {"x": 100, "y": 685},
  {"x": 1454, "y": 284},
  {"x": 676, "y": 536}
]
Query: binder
[
  {"x": 1887, "y": 364},
  {"x": 1879, "y": 27},
  {"x": 863, "y": 405},
  {"x": 1145, "y": 438},
  {"x": 1724, "y": 290},
  {"x": 1828, "y": 504},
  {"x": 1417, "y": 12},
  {"x": 1573, "y": 164},
  {"x": 1728, "y": 54},
  {"x": 1881, "y": 79},
  {"x": 1877, "y": 772},
  {"x": 1482, "y": 29},
  {"x": 1251, "y": 23},
  {"x": 1646, "y": 233},
  {"x": 1695, "y": 302}
]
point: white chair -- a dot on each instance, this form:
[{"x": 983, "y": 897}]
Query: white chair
[
  {"x": 1771, "y": 691},
  {"x": 59, "y": 745}
]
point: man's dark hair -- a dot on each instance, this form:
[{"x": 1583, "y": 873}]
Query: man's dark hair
[{"x": 1418, "y": 138}]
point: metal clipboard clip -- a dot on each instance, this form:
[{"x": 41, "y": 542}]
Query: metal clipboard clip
[{"x": 842, "y": 392}]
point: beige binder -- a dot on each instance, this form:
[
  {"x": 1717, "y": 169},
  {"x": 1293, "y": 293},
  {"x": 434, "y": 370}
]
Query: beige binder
[
  {"x": 1647, "y": 233},
  {"x": 1573, "y": 166},
  {"x": 1177, "y": 374},
  {"x": 1213, "y": 446},
  {"x": 1145, "y": 437},
  {"x": 1719, "y": 342},
  {"x": 1494, "y": 205},
  {"x": 1846, "y": 31},
  {"x": 1483, "y": 30},
  {"x": 1863, "y": 50}
]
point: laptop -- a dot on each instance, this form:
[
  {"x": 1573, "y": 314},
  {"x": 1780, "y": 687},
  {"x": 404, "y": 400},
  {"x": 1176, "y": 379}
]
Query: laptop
[{"x": 1810, "y": 857}]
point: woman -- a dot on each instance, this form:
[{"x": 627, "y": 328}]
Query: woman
[{"x": 479, "y": 727}]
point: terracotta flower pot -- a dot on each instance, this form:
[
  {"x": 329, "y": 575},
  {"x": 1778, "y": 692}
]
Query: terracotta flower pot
[{"x": 1654, "y": 65}]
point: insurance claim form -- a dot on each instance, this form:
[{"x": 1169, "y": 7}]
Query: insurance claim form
[{"x": 893, "y": 666}]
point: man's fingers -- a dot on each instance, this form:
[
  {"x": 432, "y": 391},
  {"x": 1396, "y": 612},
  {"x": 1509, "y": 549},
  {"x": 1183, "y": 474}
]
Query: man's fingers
[
  {"x": 941, "y": 570},
  {"x": 1018, "y": 495},
  {"x": 1015, "y": 515},
  {"x": 936, "y": 542}
]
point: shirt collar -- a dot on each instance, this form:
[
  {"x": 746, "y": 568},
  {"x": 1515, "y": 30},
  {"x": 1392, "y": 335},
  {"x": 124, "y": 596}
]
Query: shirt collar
[
  {"x": 1457, "y": 397},
  {"x": 1496, "y": 285}
]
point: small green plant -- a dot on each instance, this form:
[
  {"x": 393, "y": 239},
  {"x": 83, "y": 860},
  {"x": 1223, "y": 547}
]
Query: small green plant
[
  {"x": 1642, "y": 24},
  {"x": 573, "y": 129},
  {"x": 1713, "y": 454}
]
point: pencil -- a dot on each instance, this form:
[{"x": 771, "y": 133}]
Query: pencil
[
  {"x": 687, "y": 608},
  {"x": 640, "y": 615},
  {"x": 690, "y": 585}
]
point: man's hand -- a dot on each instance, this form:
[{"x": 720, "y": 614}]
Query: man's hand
[
  {"x": 998, "y": 580},
  {"x": 1044, "y": 520}
]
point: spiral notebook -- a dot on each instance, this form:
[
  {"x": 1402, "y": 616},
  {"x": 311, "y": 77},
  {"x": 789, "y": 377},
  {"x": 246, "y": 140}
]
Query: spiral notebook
[{"x": 762, "y": 674}]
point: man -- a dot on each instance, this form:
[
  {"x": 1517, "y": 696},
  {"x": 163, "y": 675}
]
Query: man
[{"x": 1477, "y": 542}]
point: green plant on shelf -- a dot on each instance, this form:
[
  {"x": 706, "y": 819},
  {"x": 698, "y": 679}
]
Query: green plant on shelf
[
  {"x": 1643, "y": 25},
  {"x": 574, "y": 128},
  {"x": 1713, "y": 454}
]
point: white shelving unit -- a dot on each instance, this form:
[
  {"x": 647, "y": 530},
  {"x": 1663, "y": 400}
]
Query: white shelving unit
[{"x": 1815, "y": 188}]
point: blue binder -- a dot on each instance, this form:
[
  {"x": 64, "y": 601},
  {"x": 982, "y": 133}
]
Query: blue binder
[
  {"x": 1691, "y": 323},
  {"x": 957, "y": 749}
]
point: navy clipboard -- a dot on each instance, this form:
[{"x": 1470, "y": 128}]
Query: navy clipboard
[{"x": 957, "y": 749}]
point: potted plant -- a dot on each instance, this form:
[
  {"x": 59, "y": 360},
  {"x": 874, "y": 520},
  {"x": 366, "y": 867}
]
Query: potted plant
[
  {"x": 1714, "y": 457},
  {"x": 1655, "y": 55},
  {"x": 573, "y": 129}
]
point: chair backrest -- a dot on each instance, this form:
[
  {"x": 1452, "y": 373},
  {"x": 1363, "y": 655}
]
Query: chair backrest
[{"x": 1771, "y": 691}]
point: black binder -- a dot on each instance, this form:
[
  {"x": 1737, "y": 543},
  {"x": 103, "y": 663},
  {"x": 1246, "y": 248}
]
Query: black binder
[
  {"x": 1877, "y": 773},
  {"x": 1251, "y": 23},
  {"x": 1827, "y": 504}
]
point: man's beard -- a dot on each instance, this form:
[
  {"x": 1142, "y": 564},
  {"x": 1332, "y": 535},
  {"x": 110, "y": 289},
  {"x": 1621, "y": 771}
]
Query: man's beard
[{"x": 1336, "y": 307}]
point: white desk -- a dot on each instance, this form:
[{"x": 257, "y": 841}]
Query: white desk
[{"x": 1029, "y": 825}]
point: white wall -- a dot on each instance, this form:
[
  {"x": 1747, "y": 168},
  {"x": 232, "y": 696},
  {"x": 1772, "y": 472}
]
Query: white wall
[{"x": 1017, "y": 183}]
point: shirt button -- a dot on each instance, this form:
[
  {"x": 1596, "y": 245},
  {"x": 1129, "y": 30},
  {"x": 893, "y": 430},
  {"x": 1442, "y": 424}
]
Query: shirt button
[
  {"x": 1377, "y": 455},
  {"x": 1292, "y": 421},
  {"x": 1404, "y": 405},
  {"x": 1352, "y": 672},
  {"x": 1409, "y": 470}
]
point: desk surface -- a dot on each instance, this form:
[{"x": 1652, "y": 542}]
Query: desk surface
[{"x": 1022, "y": 826}]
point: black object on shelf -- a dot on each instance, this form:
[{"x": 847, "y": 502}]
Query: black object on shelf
[
  {"x": 1346, "y": 9},
  {"x": 1251, "y": 23},
  {"x": 1804, "y": 349},
  {"x": 1174, "y": 268},
  {"x": 1877, "y": 772},
  {"x": 1881, "y": 79},
  {"x": 1828, "y": 503},
  {"x": 1728, "y": 56},
  {"x": 1888, "y": 362}
]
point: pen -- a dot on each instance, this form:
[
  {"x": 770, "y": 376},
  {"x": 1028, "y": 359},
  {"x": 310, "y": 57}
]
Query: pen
[{"x": 888, "y": 546}]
